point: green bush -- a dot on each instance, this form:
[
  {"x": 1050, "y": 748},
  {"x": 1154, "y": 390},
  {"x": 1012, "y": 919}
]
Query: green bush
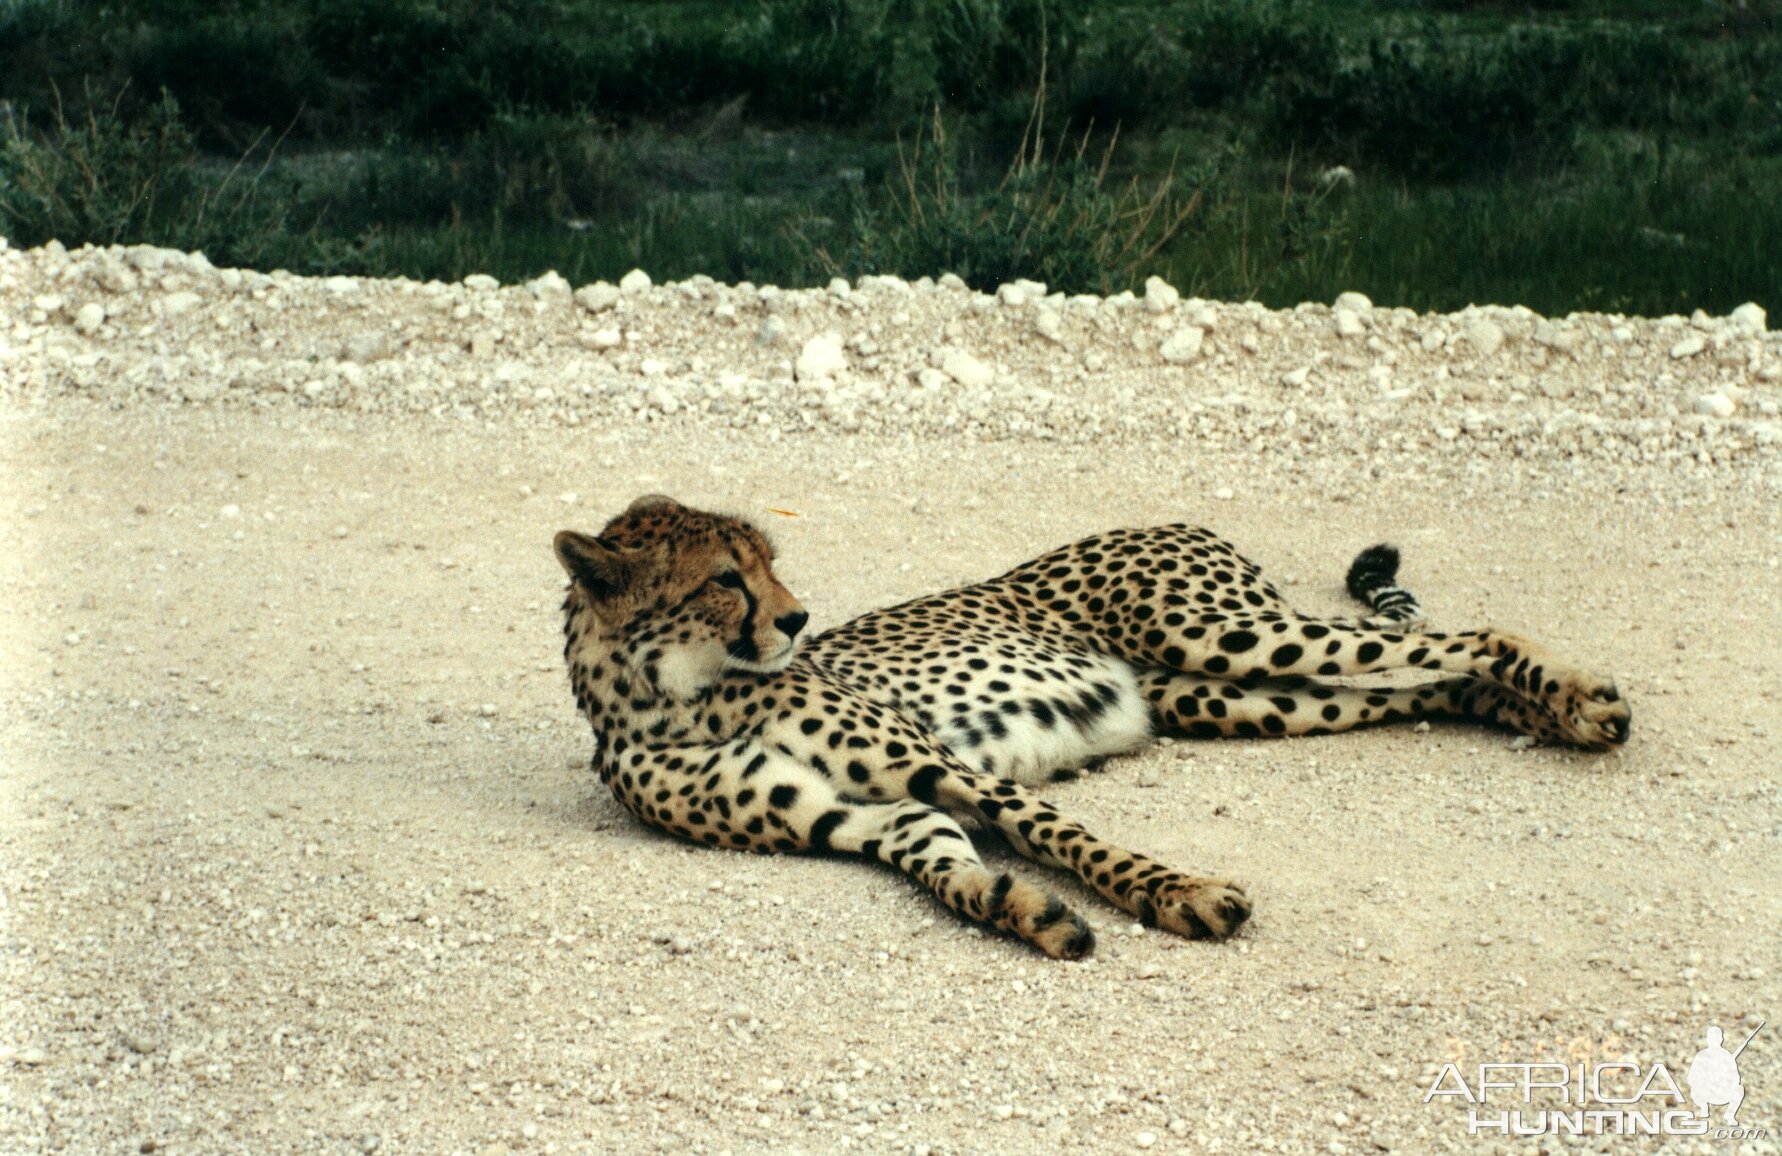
[
  {"x": 1156, "y": 66},
  {"x": 1056, "y": 219},
  {"x": 99, "y": 180}
]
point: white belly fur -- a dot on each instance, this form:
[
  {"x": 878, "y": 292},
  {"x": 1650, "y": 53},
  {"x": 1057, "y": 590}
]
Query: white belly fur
[{"x": 1030, "y": 753}]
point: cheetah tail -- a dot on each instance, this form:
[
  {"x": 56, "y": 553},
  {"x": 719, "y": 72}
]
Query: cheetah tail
[{"x": 1373, "y": 580}]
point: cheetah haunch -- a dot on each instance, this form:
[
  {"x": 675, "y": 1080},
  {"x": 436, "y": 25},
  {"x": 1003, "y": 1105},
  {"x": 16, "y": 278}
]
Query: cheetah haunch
[{"x": 881, "y": 735}]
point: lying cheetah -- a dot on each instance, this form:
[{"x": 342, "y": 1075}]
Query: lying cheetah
[{"x": 886, "y": 732}]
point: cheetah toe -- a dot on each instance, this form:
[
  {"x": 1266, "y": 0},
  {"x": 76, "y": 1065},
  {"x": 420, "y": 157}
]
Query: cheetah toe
[
  {"x": 1597, "y": 716},
  {"x": 1059, "y": 932},
  {"x": 1197, "y": 908}
]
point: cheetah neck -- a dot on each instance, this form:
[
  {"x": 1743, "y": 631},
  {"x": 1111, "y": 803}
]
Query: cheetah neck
[{"x": 615, "y": 690}]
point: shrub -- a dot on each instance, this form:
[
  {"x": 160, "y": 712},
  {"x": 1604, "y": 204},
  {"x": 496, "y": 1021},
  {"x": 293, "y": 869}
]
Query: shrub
[
  {"x": 102, "y": 181},
  {"x": 1056, "y": 219}
]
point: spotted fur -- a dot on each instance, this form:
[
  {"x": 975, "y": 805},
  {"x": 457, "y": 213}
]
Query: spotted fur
[{"x": 886, "y": 736}]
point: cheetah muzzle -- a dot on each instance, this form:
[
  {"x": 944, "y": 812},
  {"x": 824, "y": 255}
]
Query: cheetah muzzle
[{"x": 890, "y": 735}]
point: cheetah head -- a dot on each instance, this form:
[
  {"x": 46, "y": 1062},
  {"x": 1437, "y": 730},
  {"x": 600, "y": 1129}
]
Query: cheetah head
[{"x": 686, "y": 595}]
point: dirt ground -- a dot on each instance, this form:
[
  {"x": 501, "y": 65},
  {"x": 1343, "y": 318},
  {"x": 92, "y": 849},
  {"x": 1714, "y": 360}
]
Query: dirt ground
[{"x": 299, "y": 850}]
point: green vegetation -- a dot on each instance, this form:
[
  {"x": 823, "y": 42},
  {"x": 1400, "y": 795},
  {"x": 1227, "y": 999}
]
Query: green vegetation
[{"x": 1560, "y": 153}]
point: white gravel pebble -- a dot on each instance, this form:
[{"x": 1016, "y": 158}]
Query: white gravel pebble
[
  {"x": 1689, "y": 346},
  {"x": 89, "y": 318},
  {"x": 636, "y": 281},
  {"x": 1715, "y": 405},
  {"x": 598, "y": 297},
  {"x": 1183, "y": 345},
  {"x": 1751, "y": 319},
  {"x": 1485, "y": 336},
  {"x": 1160, "y": 295},
  {"x": 822, "y": 357},
  {"x": 967, "y": 370},
  {"x": 177, "y": 305}
]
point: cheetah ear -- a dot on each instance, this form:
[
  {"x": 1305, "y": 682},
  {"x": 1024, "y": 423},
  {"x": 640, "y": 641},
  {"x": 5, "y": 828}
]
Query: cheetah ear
[
  {"x": 603, "y": 570},
  {"x": 652, "y": 501}
]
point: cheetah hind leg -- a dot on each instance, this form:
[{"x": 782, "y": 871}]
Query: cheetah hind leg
[{"x": 1198, "y": 707}]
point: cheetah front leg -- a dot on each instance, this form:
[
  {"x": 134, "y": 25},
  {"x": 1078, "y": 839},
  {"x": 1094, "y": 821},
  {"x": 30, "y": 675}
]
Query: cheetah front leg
[
  {"x": 1202, "y": 707},
  {"x": 745, "y": 795},
  {"x": 1161, "y": 897}
]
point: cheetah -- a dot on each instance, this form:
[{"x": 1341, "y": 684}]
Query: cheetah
[{"x": 889, "y": 736}]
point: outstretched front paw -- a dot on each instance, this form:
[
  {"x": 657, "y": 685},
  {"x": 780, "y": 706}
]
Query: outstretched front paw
[
  {"x": 1196, "y": 908},
  {"x": 1593, "y": 714}
]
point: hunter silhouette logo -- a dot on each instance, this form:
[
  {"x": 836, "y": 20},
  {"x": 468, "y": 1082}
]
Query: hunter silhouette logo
[
  {"x": 1606, "y": 1098},
  {"x": 1714, "y": 1075}
]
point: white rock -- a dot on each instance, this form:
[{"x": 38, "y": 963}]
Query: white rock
[
  {"x": 1160, "y": 295},
  {"x": 1715, "y": 405},
  {"x": 1145, "y": 1139},
  {"x": 1011, "y": 295},
  {"x": 49, "y": 303},
  {"x": 951, "y": 281},
  {"x": 1751, "y": 318},
  {"x": 1224, "y": 494},
  {"x": 635, "y": 281},
  {"x": 342, "y": 286},
  {"x": 652, "y": 367},
  {"x": 1485, "y": 336},
  {"x": 90, "y": 317},
  {"x": 821, "y": 357},
  {"x": 967, "y": 370},
  {"x": 598, "y": 297},
  {"x": 371, "y": 345},
  {"x": 772, "y": 329},
  {"x": 1183, "y": 345},
  {"x": 116, "y": 277},
  {"x": 180, "y": 304},
  {"x": 1562, "y": 338},
  {"x": 1354, "y": 302},
  {"x": 202, "y": 388},
  {"x": 604, "y": 339},
  {"x": 550, "y": 286},
  {"x": 481, "y": 283},
  {"x": 1293, "y": 379},
  {"x": 1689, "y": 346},
  {"x": 1349, "y": 323},
  {"x": 1049, "y": 325}
]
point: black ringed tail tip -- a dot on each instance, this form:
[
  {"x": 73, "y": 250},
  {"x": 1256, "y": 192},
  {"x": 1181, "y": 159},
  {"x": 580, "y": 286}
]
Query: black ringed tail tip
[{"x": 1373, "y": 568}]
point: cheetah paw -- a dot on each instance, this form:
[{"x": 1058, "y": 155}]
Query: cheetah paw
[
  {"x": 1058, "y": 931},
  {"x": 1196, "y": 908},
  {"x": 1593, "y": 714}
]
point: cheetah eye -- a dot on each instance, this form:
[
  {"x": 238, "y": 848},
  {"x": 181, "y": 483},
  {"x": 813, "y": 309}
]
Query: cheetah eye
[{"x": 730, "y": 578}]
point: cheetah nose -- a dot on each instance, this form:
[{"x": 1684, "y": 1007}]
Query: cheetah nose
[{"x": 792, "y": 623}]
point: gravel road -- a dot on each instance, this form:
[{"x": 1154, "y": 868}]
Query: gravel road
[{"x": 299, "y": 852}]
